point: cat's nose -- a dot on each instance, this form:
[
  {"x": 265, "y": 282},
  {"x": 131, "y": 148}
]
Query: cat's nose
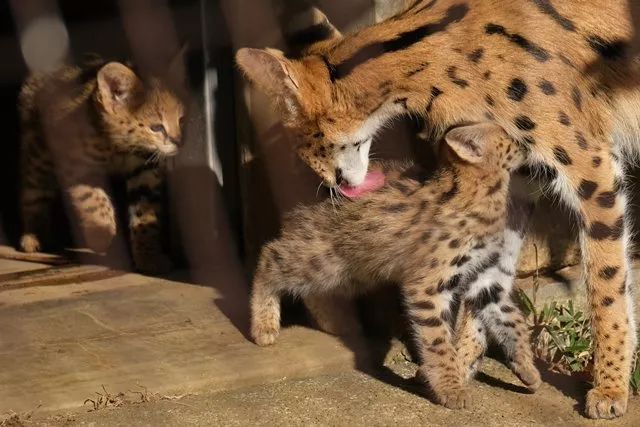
[{"x": 176, "y": 141}]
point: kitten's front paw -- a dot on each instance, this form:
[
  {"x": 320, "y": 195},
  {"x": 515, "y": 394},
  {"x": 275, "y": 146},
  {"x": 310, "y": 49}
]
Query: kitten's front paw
[
  {"x": 606, "y": 405},
  {"x": 264, "y": 335},
  {"x": 454, "y": 398},
  {"x": 157, "y": 263},
  {"x": 29, "y": 243}
]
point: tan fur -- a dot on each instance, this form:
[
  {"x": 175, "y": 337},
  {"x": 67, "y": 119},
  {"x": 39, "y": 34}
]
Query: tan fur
[
  {"x": 82, "y": 124},
  {"x": 553, "y": 74},
  {"x": 416, "y": 231}
]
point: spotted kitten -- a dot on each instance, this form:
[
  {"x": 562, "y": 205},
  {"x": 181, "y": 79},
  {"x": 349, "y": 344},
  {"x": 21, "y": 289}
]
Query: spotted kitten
[
  {"x": 84, "y": 123},
  {"x": 440, "y": 237}
]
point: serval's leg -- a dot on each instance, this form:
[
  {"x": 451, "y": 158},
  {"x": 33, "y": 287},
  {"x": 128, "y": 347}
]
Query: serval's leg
[
  {"x": 589, "y": 181},
  {"x": 428, "y": 302},
  {"x": 95, "y": 214},
  {"x": 470, "y": 341},
  {"x": 37, "y": 191},
  {"x": 490, "y": 298},
  {"x": 145, "y": 191}
]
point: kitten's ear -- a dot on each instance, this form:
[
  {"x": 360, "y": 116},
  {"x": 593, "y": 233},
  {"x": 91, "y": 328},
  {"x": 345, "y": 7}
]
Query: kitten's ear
[
  {"x": 271, "y": 72},
  {"x": 470, "y": 142},
  {"x": 118, "y": 86}
]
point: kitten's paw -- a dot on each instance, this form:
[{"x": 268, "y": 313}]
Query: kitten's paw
[
  {"x": 29, "y": 243},
  {"x": 606, "y": 404},
  {"x": 157, "y": 263},
  {"x": 455, "y": 398},
  {"x": 98, "y": 237},
  {"x": 529, "y": 375},
  {"x": 264, "y": 336}
]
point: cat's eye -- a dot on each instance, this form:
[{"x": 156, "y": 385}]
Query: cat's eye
[{"x": 158, "y": 128}]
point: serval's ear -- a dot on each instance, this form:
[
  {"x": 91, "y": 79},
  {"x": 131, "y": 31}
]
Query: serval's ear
[
  {"x": 272, "y": 73},
  {"x": 469, "y": 142},
  {"x": 304, "y": 25},
  {"x": 118, "y": 86}
]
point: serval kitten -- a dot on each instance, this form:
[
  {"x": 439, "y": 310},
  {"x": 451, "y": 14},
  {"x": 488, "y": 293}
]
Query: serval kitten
[
  {"x": 82, "y": 124},
  {"x": 437, "y": 236}
]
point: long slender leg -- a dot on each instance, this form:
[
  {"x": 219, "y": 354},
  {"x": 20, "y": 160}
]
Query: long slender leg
[
  {"x": 591, "y": 185},
  {"x": 470, "y": 341},
  {"x": 489, "y": 299},
  {"x": 265, "y": 297},
  {"x": 605, "y": 241},
  {"x": 36, "y": 193},
  {"x": 428, "y": 305},
  {"x": 95, "y": 213},
  {"x": 144, "y": 190}
]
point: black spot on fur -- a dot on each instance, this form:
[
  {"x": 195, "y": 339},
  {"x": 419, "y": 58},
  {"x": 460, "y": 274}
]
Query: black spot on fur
[
  {"x": 564, "y": 119},
  {"x": 494, "y": 188},
  {"x": 438, "y": 341},
  {"x": 536, "y": 51},
  {"x": 476, "y": 55},
  {"x": 547, "y": 8},
  {"x": 486, "y": 296},
  {"x": 581, "y": 140},
  {"x": 455, "y": 243},
  {"x": 450, "y": 284},
  {"x": 524, "y": 123},
  {"x": 602, "y": 231},
  {"x": 486, "y": 75},
  {"x": 417, "y": 70},
  {"x": 606, "y": 199},
  {"x": 586, "y": 189},
  {"x": 489, "y": 100},
  {"x": 517, "y": 90},
  {"x": 609, "y": 50},
  {"x": 509, "y": 324},
  {"x": 450, "y": 194},
  {"x": 451, "y": 73},
  {"x": 609, "y": 272},
  {"x": 403, "y": 41},
  {"x": 576, "y": 95},
  {"x": 547, "y": 87},
  {"x": 527, "y": 140},
  {"x": 431, "y": 322},
  {"x": 561, "y": 155},
  {"x": 507, "y": 309},
  {"x": 596, "y": 161},
  {"x": 423, "y": 305},
  {"x": 435, "y": 92},
  {"x": 395, "y": 207}
]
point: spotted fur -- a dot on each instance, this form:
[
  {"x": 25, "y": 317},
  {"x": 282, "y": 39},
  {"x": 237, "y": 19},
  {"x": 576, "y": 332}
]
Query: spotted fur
[
  {"x": 439, "y": 236},
  {"x": 549, "y": 71},
  {"x": 82, "y": 124}
]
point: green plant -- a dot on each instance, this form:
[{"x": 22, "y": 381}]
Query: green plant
[{"x": 561, "y": 335}]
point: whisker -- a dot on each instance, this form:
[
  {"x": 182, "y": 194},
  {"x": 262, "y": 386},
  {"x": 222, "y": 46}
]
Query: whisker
[{"x": 318, "y": 189}]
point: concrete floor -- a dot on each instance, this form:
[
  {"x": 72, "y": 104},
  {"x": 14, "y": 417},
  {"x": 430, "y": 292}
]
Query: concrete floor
[{"x": 68, "y": 331}]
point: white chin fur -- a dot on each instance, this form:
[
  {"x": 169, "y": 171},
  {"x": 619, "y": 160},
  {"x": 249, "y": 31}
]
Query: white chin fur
[{"x": 354, "y": 162}]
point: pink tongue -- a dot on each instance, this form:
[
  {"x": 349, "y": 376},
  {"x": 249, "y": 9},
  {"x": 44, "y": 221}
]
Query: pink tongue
[{"x": 372, "y": 181}]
